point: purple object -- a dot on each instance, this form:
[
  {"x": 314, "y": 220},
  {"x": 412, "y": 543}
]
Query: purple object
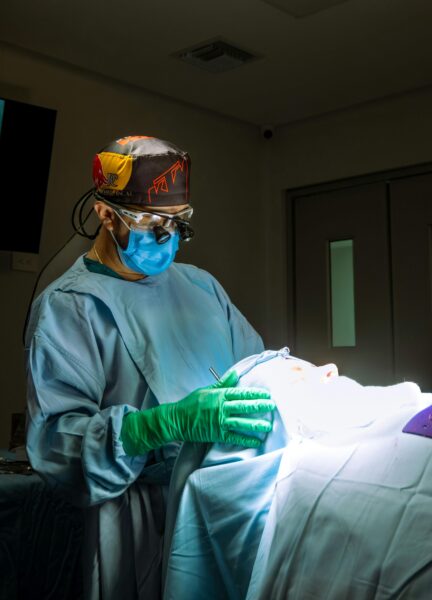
[{"x": 421, "y": 423}]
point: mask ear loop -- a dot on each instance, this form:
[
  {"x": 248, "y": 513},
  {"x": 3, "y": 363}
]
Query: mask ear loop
[
  {"x": 118, "y": 247},
  {"x": 121, "y": 219},
  {"x": 124, "y": 223}
]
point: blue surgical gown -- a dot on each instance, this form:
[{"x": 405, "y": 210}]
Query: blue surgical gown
[{"x": 97, "y": 348}]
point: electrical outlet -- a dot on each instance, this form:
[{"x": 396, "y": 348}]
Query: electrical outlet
[{"x": 24, "y": 261}]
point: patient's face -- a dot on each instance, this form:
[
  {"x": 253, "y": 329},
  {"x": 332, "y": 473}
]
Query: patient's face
[{"x": 297, "y": 371}]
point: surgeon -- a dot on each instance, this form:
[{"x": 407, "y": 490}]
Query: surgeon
[{"x": 118, "y": 356}]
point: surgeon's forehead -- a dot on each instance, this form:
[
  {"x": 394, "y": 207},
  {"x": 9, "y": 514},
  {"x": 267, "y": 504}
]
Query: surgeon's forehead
[{"x": 160, "y": 209}]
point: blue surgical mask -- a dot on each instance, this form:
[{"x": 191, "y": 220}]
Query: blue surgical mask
[{"x": 144, "y": 255}]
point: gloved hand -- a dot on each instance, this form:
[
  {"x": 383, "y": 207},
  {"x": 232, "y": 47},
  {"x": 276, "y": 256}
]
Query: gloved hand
[{"x": 209, "y": 414}]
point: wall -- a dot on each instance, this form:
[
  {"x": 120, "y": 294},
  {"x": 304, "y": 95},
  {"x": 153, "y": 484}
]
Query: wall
[
  {"x": 381, "y": 135},
  {"x": 91, "y": 112},
  {"x": 238, "y": 182}
]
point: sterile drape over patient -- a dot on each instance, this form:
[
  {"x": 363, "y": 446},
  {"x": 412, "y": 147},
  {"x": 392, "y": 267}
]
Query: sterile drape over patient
[{"x": 336, "y": 504}]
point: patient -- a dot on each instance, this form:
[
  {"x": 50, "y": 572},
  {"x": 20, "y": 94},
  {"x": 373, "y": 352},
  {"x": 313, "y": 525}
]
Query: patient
[
  {"x": 336, "y": 503},
  {"x": 315, "y": 401}
]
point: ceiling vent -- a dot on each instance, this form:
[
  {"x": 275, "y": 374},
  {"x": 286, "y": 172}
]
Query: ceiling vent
[
  {"x": 216, "y": 56},
  {"x": 303, "y": 8}
]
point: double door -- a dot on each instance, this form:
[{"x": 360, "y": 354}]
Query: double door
[{"x": 361, "y": 279}]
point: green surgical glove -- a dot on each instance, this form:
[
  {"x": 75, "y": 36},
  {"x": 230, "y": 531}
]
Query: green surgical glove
[{"x": 209, "y": 414}]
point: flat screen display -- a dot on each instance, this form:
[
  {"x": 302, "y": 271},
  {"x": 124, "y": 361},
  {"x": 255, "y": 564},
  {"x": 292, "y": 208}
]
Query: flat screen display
[{"x": 26, "y": 139}]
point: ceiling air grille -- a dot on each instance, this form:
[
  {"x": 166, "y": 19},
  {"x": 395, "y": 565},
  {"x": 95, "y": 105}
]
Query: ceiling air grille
[
  {"x": 216, "y": 56},
  {"x": 303, "y": 8}
]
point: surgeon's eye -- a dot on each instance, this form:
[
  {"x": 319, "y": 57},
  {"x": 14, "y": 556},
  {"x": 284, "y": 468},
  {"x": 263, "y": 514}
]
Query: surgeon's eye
[{"x": 148, "y": 221}]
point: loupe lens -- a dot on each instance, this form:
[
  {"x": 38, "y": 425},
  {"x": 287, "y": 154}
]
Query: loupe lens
[
  {"x": 186, "y": 232},
  {"x": 161, "y": 234}
]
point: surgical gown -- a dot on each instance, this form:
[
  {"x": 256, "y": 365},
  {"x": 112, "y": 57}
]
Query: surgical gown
[{"x": 98, "y": 347}]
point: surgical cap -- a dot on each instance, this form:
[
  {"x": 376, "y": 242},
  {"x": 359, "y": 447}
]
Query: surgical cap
[{"x": 142, "y": 170}]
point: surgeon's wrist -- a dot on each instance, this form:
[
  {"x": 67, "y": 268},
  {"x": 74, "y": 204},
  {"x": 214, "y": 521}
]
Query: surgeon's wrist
[
  {"x": 163, "y": 423},
  {"x": 145, "y": 430}
]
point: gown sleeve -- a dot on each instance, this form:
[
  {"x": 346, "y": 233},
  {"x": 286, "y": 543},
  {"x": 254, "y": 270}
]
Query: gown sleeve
[{"x": 73, "y": 443}]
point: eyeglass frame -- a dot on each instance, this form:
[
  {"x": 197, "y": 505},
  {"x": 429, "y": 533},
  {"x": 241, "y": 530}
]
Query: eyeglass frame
[{"x": 136, "y": 216}]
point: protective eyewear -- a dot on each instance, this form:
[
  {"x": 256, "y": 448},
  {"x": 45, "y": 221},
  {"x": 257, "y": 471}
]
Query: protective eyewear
[
  {"x": 163, "y": 224},
  {"x": 150, "y": 220}
]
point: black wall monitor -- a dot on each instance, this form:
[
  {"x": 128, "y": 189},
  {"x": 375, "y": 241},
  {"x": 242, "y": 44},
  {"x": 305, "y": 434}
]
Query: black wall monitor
[{"x": 26, "y": 139}]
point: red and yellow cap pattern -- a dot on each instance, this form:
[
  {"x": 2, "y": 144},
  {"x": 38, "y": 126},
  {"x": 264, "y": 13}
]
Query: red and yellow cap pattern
[{"x": 142, "y": 170}]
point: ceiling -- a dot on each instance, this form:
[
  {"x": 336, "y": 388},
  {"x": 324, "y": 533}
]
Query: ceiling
[{"x": 352, "y": 52}]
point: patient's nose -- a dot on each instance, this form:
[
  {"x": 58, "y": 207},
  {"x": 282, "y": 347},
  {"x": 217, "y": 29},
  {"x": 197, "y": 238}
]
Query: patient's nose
[{"x": 325, "y": 373}]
